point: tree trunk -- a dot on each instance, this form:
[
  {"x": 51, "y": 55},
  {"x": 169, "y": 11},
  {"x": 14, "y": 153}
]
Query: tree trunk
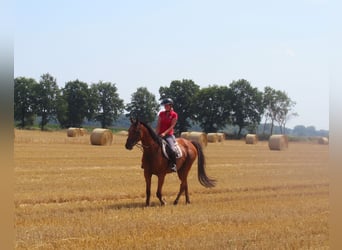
[
  {"x": 240, "y": 128},
  {"x": 272, "y": 124}
]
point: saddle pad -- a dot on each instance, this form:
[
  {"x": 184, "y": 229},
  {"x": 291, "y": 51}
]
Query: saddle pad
[{"x": 178, "y": 150}]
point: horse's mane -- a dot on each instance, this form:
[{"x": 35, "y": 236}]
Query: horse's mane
[{"x": 153, "y": 134}]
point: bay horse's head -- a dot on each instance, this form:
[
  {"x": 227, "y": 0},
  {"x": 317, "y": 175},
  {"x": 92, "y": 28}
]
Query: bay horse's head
[{"x": 134, "y": 134}]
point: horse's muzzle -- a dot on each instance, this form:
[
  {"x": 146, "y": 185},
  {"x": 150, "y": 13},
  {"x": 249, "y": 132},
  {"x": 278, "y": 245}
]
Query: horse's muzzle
[{"x": 128, "y": 146}]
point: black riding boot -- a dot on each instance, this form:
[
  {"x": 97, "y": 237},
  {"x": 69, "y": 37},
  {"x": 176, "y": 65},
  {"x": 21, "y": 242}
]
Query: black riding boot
[{"x": 172, "y": 156}]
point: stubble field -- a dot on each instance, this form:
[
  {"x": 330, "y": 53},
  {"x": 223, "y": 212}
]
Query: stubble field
[{"x": 72, "y": 195}]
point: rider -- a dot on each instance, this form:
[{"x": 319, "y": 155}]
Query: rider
[{"x": 167, "y": 120}]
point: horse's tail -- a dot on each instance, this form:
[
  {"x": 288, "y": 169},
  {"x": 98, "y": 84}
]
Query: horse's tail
[{"x": 202, "y": 176}]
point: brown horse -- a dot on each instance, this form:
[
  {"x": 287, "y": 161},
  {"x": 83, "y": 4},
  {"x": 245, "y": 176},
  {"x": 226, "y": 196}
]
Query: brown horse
[{"x": 155, "y": 163}]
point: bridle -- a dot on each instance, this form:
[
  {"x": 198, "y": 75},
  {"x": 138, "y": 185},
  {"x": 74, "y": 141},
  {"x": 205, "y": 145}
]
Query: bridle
[{"x": 136, "y": 138}]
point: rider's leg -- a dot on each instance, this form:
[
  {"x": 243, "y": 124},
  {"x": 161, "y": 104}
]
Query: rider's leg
[{"x": 171, "y": 142}]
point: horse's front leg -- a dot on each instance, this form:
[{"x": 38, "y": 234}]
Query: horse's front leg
[
  {"x": 161, "y": 179},
  {"x": 148, "y": 178}
]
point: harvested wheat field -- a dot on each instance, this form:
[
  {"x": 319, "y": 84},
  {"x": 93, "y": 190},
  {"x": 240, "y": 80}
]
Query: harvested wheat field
[{"x": 70, "y": 194}]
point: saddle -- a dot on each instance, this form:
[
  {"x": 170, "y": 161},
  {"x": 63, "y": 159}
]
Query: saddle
[{"x": 166, "y": 149}]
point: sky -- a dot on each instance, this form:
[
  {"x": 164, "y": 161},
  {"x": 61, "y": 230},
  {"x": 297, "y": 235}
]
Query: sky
[{"x": 281, "y": 44}]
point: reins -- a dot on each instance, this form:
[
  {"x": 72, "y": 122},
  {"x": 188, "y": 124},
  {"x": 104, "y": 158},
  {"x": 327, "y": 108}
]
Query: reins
[
  {"x": 141, "y": 146},
  {"x": 154, "y": 137}
]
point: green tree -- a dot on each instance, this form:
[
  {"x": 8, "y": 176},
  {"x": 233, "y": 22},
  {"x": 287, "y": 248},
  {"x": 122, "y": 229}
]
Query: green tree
[
  {"x": 74, "y": 105},
  {"x": 212, "y": 108},
  {"x": 108, "y": 104},
  {"x": 310, "y": 130},
  {"x": 284, "y": 110},
  {"x": 247, "y": 106},
  {"x": 183, "y": 94},
  {"x": 299, "y": 130},
  {"x": 143, "y": 105},
  {"x": 269, "y": 103},
  {"x": 46, "y": 92},
  {"x": 278, "y": 108},
  {"x": 62, "y": 111},
  {"x": 24, "y": 100}
]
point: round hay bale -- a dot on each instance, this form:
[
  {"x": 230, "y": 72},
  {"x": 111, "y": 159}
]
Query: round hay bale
[
  {"x": 278, "y": 142},
  {"x": 185, "y": 135},
  {"x": 323, "y": 141},
  {"x": 73, "y": 132},
  {"x": 83, "y": 131},
  {"x": 101, "y": 136},
  {"x": 212, "y": 137},
  {"x": 251, "y": 139},
  {"x": 198, "y": 137},
  {"x": 122, "y": 132},
  {"x": 221, "y": 137}
]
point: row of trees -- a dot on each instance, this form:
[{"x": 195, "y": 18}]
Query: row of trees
[{"x": 212, "y": 108}]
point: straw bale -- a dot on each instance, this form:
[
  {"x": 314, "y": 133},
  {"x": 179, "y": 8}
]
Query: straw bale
[
  {"x": 221, "y": 137},
  {"x": 198, "y": 137},
  {"x": 251, "y": 139},
  {"x": 122, "y": 132},
  {"x": 185, "y": 135},
  {"x": 212, "y": 137},
  {"x": 73, "y": 132},
  {"x": 83, "y": 131},
  {"x": 101, "y": 136},
  {"x": 323, "y": 141},
  {"x": 278, "y": 142}
]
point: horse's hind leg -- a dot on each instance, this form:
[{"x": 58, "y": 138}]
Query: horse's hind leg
[
  {"x": 178, "y": 195},
  {"x": 187, "y": 198},
  {"x": 183, "y": 187},
  {"x": 183, "y": 175}
]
